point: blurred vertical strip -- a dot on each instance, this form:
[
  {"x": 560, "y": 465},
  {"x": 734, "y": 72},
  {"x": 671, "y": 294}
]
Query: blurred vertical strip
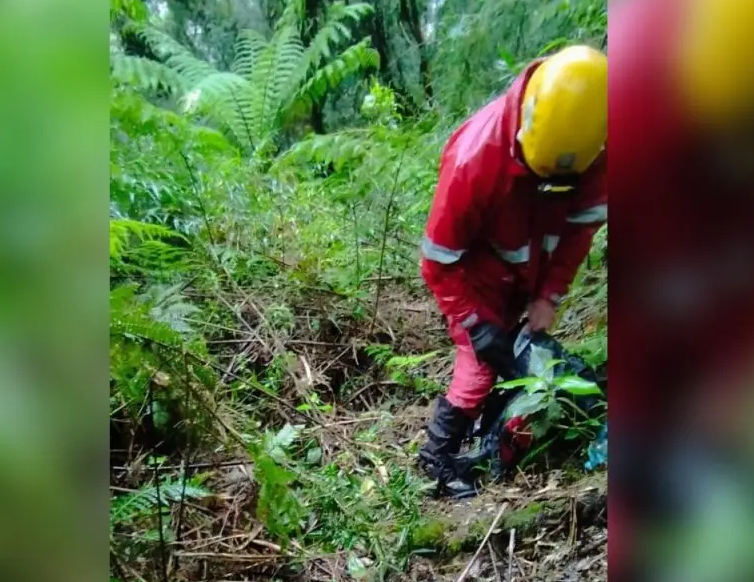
[
  {"x": 681, "y": 175},
  {"x": 53, "y": 261}
]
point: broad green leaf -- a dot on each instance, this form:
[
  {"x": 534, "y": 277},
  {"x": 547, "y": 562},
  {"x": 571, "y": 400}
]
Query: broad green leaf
[
  {"x": 572, "y": 433},
  {"x": 314, "y": 456},
  {"x": 552, "y": 363},
  {"x": 286, "y": 436},
  {"x": 276, "y": 445},
  {"x": 527, "y": 404},
  {"x": 577, "y": 386},
  {"x": 356, "y": 568},
  {"x": 520, "y": 382}
]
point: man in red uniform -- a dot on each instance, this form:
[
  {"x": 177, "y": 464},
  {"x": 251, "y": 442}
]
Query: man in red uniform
[{"x": 521, "y": 193}]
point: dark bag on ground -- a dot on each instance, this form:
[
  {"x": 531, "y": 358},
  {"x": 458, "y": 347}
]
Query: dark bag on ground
[{"x": 532, "y": 352}]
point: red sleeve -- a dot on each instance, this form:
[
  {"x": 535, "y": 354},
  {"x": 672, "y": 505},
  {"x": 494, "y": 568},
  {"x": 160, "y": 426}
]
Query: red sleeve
[
  {"x": 469, "y": 168},
  {"x": 585, "y": 217}
]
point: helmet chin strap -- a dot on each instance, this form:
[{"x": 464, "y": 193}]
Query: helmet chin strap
[{"x": 558, "y": 185}]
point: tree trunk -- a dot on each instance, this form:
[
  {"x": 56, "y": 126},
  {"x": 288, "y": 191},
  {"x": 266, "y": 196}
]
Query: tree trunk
[
  {"x": 410, "y": 17},
  {"x": 381, "y": 43},
  {"x": 317, "y": 119},
  {"x": 309, "y": 29}
]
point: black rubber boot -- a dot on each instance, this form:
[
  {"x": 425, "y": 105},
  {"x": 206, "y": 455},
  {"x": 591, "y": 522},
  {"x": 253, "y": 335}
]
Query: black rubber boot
[{"x": 446, "y": 431}]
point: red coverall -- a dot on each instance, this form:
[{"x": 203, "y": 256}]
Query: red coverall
[{"x": 493, "y": 242}]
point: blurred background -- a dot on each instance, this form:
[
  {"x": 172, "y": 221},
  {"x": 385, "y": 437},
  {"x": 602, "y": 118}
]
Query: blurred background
[{"x": 681, "y": 269}]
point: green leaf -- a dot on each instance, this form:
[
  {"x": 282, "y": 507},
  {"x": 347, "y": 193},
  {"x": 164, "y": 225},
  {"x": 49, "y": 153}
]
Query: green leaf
[
  {"x": 577, "y": 386},
  {"x": 314, "y": 456},
  {"x": 527, "y": 404},
  {"x": 552, "y": 363},
  {"x": 540, "y": 429},
  {"x": 286, "y": 436},
  {"x": 535, "y": 383},
  {"x": 356, "y": 567},
  {"x": 571, "y": 434},
  {"x": 276, "y": 445}
]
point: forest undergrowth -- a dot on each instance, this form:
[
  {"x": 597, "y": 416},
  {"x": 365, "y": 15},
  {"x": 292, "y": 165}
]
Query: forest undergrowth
[
  {"x": 273, "y": 351},
  {"x": 301, "y": 463}
]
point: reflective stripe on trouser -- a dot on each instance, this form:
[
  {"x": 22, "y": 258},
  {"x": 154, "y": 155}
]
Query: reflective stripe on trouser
[{"x": 550, "y": 242}]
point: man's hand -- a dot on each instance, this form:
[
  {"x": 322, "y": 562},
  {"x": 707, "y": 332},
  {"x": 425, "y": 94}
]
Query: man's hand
[{"x": 541, "y": 315}]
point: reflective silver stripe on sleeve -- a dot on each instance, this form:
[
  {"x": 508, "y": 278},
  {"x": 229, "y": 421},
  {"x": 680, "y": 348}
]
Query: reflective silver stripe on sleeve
[
  {"x": 550, "y": 242},
  {"x": 594, "y": 214},
  {"x": 514, "y": 256},
  {"x": 470, "y": 321},
  {"x": 439, "y": 253}
]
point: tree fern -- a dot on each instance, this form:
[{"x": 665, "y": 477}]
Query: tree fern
[
  {"x": 268, "y": 78},
  {"x": 282, "y": 53}
]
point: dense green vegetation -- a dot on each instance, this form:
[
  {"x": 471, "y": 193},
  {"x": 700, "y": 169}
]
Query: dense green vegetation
[{"x": 272, "y": 165}]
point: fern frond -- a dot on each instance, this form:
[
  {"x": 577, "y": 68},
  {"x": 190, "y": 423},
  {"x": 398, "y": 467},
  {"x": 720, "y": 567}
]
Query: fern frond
[
  {"x": 331, "y": 34},
  {"x": 129, "y": 319},
  {"x": 170, "y": 306},
  {"x": 249, "y": 47},
  {"x": 270, "y": 78},
  {"x": 340, "y": 149},
  {"x": 122, "y": 230},
  {"x": 126, "y": 508},
  {"x": 355, "y": 12},
  {"x": 292, "y": 15},
  {"x": 217, "y": 86},
  {"x": 217, "y": 94},
  {"x": 176, "y": 56},
  {"x": 357, "y": 58},
  {"x": 144, "y": 74},
  {"x": 287, "y": 79}
]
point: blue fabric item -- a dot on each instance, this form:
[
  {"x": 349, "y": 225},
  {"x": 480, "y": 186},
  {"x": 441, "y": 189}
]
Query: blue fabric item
[{"x": 597, "y": 451}]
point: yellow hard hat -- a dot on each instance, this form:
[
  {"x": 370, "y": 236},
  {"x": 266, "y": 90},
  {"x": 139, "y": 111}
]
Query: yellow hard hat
[
  {"x": 713, "y": 48},
  {"x": 564, "y": 112}
]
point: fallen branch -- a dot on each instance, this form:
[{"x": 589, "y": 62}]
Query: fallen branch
[
  {"x": 511, "y": 544},
  {"x": 233, "y": 557},
  {"x": 466, "y": 570},
  {"x": 493, "y": 559},
  {"x": 207, "y": 465}
]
